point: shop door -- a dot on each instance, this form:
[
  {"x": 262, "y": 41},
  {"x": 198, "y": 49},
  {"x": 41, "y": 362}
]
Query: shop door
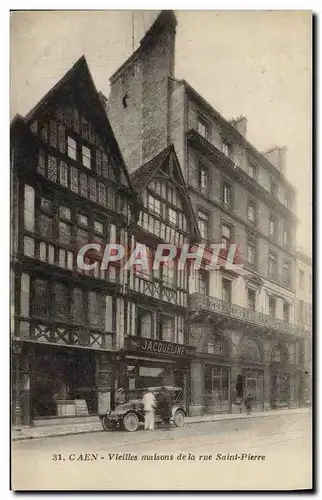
[
  {"x": 254, "y": 386},
  {"x": 217, "y": 382},
  {"x": 280, "y": 389}
]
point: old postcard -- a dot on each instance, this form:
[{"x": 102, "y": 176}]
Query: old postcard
[{"x": 161, "y": 277}]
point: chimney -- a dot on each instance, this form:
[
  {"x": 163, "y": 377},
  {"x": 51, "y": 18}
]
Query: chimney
[
  {"x": 139, "y": 94},
  {"x": 240, "y": 124},
  {"x": 277, "y": 156}
]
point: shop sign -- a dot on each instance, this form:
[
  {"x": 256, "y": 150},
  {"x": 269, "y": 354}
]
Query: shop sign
[{"x": 158, "y": 347}]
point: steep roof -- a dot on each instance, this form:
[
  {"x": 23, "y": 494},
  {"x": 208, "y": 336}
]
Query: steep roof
[
  {"x": 79, "y": 78},
  {"x": 144, "y": 174}
]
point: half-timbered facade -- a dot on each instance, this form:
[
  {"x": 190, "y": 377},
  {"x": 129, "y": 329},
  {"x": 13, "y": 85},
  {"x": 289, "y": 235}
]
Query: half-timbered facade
[
  {"x": 70, "y": 187},
  {"x": 157, "y": 349}
]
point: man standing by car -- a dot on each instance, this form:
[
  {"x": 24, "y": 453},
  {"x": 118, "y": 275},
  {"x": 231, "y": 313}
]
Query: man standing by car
[
  {"x": 165, "y": 406},
  {"x": 149, "y": 407}
]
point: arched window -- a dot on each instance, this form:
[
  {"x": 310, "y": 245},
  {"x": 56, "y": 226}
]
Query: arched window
[{"x": 250, "y": 351}]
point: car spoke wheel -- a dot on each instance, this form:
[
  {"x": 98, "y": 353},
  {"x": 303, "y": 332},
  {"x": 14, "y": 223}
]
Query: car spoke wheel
[
  {"x": 131, "y": 422},
  {"x": 107, "y": 425},
  {"x": 178, "y": 418}
]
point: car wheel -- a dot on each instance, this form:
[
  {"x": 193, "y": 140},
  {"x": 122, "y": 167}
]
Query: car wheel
[
  {"x": 178, "y": 418},
  {"x": 131, "y": 422},
  {"x": 107, "y": 425}
]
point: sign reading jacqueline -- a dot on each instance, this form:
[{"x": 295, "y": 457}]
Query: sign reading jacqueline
[{"x": 158, "y": 347}]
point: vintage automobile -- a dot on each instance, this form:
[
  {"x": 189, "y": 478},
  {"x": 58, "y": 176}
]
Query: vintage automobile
[{"x": 130, "y": 415}]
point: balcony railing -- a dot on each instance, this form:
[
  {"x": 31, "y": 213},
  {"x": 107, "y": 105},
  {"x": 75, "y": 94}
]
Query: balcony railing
[{"x": 220, "y": 307}]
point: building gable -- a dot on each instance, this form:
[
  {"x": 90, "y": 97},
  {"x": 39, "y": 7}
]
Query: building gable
[
  {"x": 73, "y": 109},
  {"x": 162, "y": 189}
]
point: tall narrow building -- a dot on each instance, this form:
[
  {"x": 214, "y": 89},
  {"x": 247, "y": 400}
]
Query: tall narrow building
[{"x": 70, "y": 187}]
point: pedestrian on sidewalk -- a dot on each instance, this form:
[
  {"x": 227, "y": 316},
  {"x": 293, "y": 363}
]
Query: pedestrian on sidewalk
[
  {"x": 165, "y": 406},
  {"x": 248, "y": 403},
  {"x": 149, "y": 407}
]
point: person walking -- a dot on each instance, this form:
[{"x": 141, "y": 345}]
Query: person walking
[
  {"x": 165, "y": 406},
  {"x": 149, "y": 407},
  {"x": 248, "y": 403}
]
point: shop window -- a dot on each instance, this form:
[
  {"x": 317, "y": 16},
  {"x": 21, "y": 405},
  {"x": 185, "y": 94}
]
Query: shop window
[
  {"x": 217, "y": 382},
  {"x": 281, "y": 388},
  {"x": 144, "y": 323}
]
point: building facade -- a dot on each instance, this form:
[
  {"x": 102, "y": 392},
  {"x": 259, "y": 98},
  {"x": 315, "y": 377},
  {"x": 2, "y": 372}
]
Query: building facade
[
  {"x": 69, "y": 187},
  {"x": 242, "y": 320},
  {"x": 79, "y": 333},
  {"x": 156, "y": 348}
]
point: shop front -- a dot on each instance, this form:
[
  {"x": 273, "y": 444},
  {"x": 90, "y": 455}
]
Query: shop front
[
  {"x": 66, "y": 382},
  {"x": 152, "y": 363}
]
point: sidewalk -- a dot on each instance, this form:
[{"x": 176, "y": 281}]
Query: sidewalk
[{"x": 94, "y": 425}]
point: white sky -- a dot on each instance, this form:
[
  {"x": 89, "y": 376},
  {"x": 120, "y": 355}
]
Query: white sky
[{"x": 255, "y": 63}]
